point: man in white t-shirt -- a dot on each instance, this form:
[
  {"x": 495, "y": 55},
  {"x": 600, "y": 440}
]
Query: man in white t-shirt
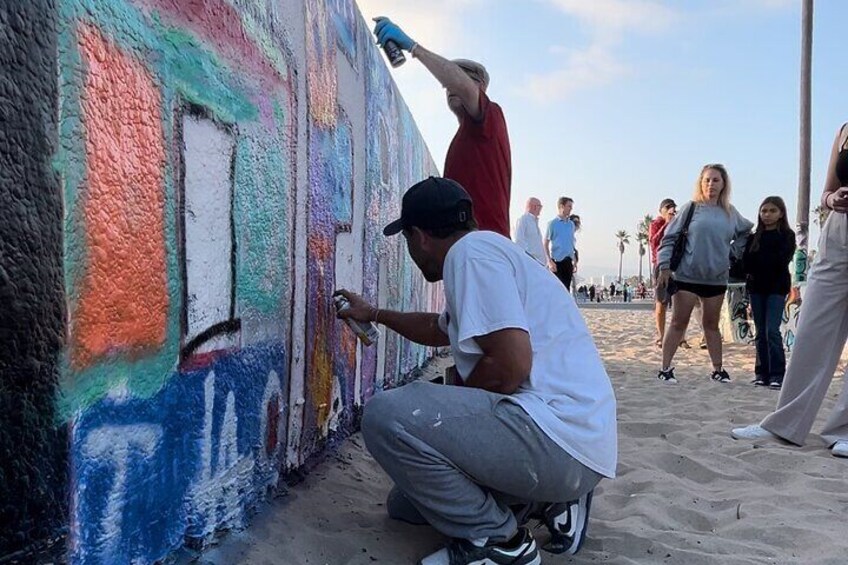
[
  {"x": 531, "y": 430},
  {"x": 527, "y": 234}
]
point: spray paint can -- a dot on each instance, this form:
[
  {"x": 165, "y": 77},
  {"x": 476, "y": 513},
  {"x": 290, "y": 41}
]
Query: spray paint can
[
  {"x": 367, "y": 332},
  {"x": 394, "y": 53}
]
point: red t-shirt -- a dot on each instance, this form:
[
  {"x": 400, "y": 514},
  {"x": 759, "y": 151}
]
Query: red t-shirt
[
  {"x": 479, "y": 159},
  {"x": 656, "y": 231}
]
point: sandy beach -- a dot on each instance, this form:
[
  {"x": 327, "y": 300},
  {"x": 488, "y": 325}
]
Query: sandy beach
[{"x": 686, "y": 493}]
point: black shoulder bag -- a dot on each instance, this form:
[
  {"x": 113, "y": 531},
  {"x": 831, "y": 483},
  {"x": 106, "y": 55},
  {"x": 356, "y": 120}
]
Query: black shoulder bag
[{"x": 679, "y": 248}]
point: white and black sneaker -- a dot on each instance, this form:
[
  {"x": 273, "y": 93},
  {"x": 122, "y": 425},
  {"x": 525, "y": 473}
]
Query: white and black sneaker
[
  {"x": 720, "y": 376},
  {"x": 568, "y": 524},
  {"x": 667, "y": 376},
  {"x": 520, "y": 550}
]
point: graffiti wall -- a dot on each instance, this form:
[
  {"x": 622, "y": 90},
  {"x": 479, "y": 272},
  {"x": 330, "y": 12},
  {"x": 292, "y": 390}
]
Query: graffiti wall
[{"x": 208, "y": 172}]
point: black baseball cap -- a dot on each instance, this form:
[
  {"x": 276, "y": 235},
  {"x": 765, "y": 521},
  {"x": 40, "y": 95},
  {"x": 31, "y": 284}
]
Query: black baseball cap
[
  {"x": 667, "y": 203},
  {"x": 434, "y": 202}
]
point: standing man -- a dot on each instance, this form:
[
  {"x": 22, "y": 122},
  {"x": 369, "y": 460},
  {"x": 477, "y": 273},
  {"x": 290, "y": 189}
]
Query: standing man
[
  {"x": 479, "y": 156},
  {"x": 528, "y": 236},
  {"x": 656, "y": 231},
  {"x": 559, "y": 243},
  {"x": 533, "y": 425}
]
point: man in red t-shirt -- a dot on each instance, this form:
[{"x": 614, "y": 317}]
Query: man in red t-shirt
[
  {"x": 656, "y": 231},
  {"x": 479, "y": 156}
]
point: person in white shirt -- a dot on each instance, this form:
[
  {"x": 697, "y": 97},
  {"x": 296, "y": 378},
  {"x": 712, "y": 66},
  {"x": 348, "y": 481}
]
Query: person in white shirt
[
  {"x": 531, "y": 427},
  {"x": 527, "y": 234}
]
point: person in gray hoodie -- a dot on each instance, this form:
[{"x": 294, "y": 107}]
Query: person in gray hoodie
[{"x": 716, "y": 232}]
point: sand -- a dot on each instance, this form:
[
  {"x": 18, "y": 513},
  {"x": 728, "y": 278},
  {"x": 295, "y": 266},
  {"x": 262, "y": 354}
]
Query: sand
[{"x": 686, "y": 493}]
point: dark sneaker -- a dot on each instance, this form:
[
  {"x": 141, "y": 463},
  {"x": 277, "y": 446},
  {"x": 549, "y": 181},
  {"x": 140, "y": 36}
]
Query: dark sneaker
[
  {"x": 720, "y": 376},
  {"x": 775, "y": 385},
  {"x": 685, "y": 345},
  {"x": 667, "y": 376},
  {"x": 568, "y": 524},
  {"x": 760, "y": 381},
  {"x": 520, "y": 550}
]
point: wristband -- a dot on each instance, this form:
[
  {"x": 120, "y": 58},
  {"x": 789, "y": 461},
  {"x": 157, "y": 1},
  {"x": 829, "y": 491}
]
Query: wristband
[
  {"x": 376, "y": 313},
  {"x": 412, "y": 49}
]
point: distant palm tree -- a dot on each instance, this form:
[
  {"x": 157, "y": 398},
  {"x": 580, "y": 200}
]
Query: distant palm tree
[
  {"x": 642, "y": 237},
  {"x": 820, "y": 214},
  {"x": 623, "y": 239}
]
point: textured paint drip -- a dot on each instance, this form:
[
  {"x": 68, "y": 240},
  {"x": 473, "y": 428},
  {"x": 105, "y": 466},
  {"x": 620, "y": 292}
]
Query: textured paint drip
[{"x": 123, "y": 304}]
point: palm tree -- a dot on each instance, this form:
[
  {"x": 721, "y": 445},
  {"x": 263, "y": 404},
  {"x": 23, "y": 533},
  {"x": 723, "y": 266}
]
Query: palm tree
[
  {"x": 623, "y": 239},
  {"x": 820, "y": 214},
  {"x": 642, "y": 237}
]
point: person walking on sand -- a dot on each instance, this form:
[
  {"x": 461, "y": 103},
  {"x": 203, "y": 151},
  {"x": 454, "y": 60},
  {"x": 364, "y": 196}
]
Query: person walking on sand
[
  {"x": 765, "y": 263},
  {"x": 822, "y": 328},
  {"x": 534, "y": 394},
  {"x": 528, "y": 236},
  {"x": 559, "y": 243},
  {"x": 715, "y": 231},
  {"x": 668, "y": 208},
  {"x": 479, "y": 156}
]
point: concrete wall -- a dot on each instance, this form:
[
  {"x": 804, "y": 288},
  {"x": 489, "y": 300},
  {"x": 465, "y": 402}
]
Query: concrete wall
[{"x": 203, "y": 175}]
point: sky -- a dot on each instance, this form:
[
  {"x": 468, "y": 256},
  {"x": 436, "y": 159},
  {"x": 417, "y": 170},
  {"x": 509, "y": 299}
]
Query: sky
[{"x": 619, "y": 103}]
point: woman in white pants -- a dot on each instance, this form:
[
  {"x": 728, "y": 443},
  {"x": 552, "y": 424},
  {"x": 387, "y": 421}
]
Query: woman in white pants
[{"x": 822, "y": 328}]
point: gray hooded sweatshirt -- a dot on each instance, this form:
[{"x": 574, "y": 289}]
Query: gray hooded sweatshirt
[{"x": 714, "y": 235}]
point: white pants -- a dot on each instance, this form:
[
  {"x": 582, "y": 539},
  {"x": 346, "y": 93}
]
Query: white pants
[{"x": 819, "y": 341}]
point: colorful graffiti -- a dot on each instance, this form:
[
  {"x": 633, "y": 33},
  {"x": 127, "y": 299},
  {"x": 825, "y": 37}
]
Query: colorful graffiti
[{"x": 220, "y": 178}]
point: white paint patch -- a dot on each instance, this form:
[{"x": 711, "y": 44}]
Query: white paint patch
[
  {"x": 216, "y": 494},
  {"x": 208, "y": 229},
  {"x": 113, "y": 446},
  {"x": 416, "y": 412}
]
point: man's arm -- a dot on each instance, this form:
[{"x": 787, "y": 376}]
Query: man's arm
[
  {"x": 448, "y": 73},
  {"x": 521, "y": 237},
  {"x": 420, "y": 327},
  {"x": 506, "y": 362},
  {"x": 453, "y": 78}
]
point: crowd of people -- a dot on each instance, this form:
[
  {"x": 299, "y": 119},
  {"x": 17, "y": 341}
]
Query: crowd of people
[{"x": 529, "y": 429}]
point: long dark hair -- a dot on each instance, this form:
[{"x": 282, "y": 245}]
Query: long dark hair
[{"x": 782, "y": 223}]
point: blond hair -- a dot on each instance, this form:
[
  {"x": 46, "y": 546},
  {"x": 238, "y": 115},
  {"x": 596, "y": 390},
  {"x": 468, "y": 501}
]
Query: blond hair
[{"x": 724, "y": 196}]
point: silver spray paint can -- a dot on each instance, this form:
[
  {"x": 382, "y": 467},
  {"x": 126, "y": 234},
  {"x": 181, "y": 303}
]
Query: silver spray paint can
[
  {"x": 394, "y": 53},
  {"x": 367, "y": 332}
]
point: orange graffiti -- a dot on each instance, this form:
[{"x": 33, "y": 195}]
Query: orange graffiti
[{"x": 123, "y": 299}]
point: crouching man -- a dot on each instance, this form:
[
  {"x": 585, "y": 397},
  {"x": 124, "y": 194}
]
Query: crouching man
[{"x": 533, "y": 428}]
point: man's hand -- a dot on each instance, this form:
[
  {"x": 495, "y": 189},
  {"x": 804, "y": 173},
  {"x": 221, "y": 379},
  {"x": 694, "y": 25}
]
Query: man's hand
[
  {"x": 838, "y": 200},
  {"x": 387, "y": 30},
  {"x": 663, "y": 277},
  {"x": 359, "y": 309},
  {"x": 552, "y": 266}
]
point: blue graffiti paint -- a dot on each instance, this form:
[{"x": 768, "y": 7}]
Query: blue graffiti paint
[{"x": 148, "y": 472}]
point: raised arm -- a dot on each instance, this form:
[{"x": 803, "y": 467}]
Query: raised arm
[{"x": 448, "y": 73}]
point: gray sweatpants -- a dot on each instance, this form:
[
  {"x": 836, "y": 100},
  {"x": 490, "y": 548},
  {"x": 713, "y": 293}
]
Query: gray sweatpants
[{"x": 461, "y": 456}]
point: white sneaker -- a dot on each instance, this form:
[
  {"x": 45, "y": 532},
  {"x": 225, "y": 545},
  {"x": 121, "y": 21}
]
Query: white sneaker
[
  {"x": 754, "y": 431},
  {"x": 840, "y": 448}
]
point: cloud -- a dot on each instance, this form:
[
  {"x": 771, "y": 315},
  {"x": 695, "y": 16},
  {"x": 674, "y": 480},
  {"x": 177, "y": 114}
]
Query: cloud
[
  {"x": 597, "y": 64},
  {"x": 605, "y": 16},
  {"x": 589, "y": 68}
]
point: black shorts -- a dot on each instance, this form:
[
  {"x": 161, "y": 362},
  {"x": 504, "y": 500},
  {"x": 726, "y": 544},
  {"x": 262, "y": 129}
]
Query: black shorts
[{"x": 701, "y": 290}]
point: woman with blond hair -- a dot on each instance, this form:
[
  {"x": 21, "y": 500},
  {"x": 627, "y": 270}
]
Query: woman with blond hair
[{"x": 711, "y": 230}]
